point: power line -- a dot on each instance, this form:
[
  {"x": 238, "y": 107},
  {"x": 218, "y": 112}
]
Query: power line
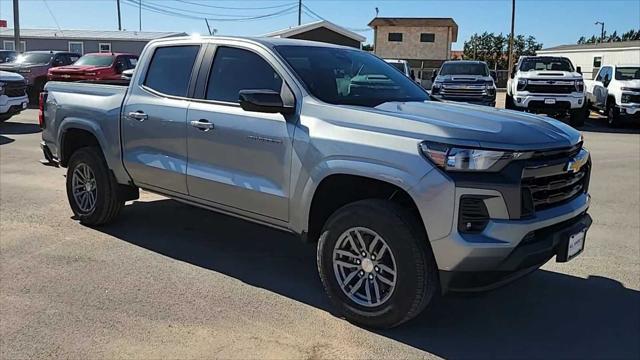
[
  {"x": 236, "y": 8},
  {"x": 52, "y": 16}
]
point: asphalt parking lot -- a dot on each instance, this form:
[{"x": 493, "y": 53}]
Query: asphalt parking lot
[{"x": 167, "y": 280}]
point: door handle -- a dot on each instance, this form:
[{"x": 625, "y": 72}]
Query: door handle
[
  {"x": 202, "y": 124},
  {"x": 138, "y": 115}
]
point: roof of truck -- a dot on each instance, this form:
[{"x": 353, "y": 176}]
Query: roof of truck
[{"x": 266, "y": 41}]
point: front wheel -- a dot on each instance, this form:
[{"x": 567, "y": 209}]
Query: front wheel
[
  {"x": 91, "y": 189},
  {"x": 578, "y": 117},
  {"x": 508, "y": 102},
  {"x": 376, "y": 264},
  {"x": 613, "y": 116}
]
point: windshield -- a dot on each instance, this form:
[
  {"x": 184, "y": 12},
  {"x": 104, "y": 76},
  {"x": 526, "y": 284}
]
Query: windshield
[
  {"x": 34, "y": 58},
  {"x": 541, "y": 64},
  {"x": 349, "y": 77},
  {"x": 464, "y": 69},
  {"x": 95, "y": 60},
  {"x": 628, "y": 73}
]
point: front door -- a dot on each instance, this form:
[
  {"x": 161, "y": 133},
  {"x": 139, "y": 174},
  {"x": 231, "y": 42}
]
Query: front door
[
  {"x": 239, "y": 159},
  {"x": 154, "y": 123}
]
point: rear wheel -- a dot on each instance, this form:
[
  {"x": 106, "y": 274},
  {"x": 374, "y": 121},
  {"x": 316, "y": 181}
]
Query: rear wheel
[
  {"x": 376, "y": 264},
  {"x": 91, "y": 189},
  {"x": 613, "y": 115}
]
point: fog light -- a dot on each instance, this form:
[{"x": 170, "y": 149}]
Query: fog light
[
  {"x": 579, "y": 101},
  {"x": 518, "y": 100}
]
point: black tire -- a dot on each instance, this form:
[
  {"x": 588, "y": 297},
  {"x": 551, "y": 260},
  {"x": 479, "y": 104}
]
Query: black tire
[
  {"x": 578, "y": 117},
  {"x": 108, "y": 201},
  {"x": 508, "y": 102},
  {"x": 613, "y": 115},
  {"x": 417, "y": 279},
  {"x": 36, "y": 89}
]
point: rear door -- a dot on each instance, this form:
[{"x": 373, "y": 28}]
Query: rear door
[
  {"x": 239, "y": 159},
  {"x": 154, "y": 118}
]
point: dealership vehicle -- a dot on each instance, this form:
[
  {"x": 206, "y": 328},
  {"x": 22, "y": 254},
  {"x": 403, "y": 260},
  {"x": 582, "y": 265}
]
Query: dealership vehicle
[
  {"x": 13, "y": 96},
  {"x": 406, "y": 197},
  {"x": 127, "y": 74},
  {"x": 96, "y": 66},
  {"x": 7, "y": 56},
  {"x": 548, "y": 85},
  {"x": 616, "y": 92},
  {"x": 403, "y": 66},
  {"x": 33, "y": 66},
  {"x": 464, "y": 81}
]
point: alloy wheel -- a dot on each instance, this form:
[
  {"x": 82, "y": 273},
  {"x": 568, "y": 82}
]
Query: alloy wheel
[{"x": 85, "y": 191}]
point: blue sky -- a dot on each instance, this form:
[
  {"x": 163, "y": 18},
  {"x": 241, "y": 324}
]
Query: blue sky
[{"x": 552, "y": 22}]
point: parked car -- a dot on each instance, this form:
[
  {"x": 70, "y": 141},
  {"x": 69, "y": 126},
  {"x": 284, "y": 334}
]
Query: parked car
[
  {"x": 464, "y": 81},
  {"x": 95, "y": 66},
  {"x": 403, "y": 66},
  {"x": 547, "y": 85},
  {"x": 406, "y": 197},
  {"x": 7, "y": 56},
  {"x": 33, "y": 66},
  {"x": 616, "y": 92},
  {"x": 13, "y": 96}
]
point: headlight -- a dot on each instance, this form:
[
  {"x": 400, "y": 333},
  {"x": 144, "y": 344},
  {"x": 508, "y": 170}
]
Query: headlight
[
  {"x": 625, "y": 98},
  {"x": 1, "y": 88},
  {"x": 451, "y": 158},
  {"x": 579, "y": 85},
  {"x": 522, "y": 83},
  {"x": 435, "y": 88},
  {"x": 629, "y": 89}
]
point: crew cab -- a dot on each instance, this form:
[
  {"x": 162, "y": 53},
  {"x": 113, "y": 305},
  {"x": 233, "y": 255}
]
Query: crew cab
[
  {"x": 13, "y": 95},
  {"x": 95, "y": 66},
  {"x": 548, "y": 85},
  {"x": 33, "y": 66},
  {"x": 405, "y": 197},
  {"x": 616, "y": 92},
  {"x": 465, "y": 81}
]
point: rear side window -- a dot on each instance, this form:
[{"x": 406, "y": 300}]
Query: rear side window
[
  {"x": 170, "y": 69},
  {"x": 237, "y": 69}
]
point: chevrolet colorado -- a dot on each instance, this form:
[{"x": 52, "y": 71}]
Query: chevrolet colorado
[
  {"x": 406, "y": 197},
  {"x": 616, "y": 92},
  {"x": 548, "y": 85}
]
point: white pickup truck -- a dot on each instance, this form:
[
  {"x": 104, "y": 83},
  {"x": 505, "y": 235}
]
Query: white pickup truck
[
  {"x": 616, "y": 92},
  {"x": 548, "y": 85}
]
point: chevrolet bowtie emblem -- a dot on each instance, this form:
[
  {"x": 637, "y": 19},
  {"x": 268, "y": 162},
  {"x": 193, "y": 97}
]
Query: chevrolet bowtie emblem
[{"x": 575, "y": 164}]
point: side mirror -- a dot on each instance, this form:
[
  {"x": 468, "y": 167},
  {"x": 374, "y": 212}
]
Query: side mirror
[
  {"x": 579, "y": 69},
  {"x": 513, "y": 72},
  {"x": 494, "y": 75},
  {"x": 434, "y": 74},
  {"x": 413, "y": 75},
  {"x": 264, "y": 101}
]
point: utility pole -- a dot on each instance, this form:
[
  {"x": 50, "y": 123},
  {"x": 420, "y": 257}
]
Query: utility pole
[
  {"x": 139, "y": 15},
  {"x": 16, "y": 27},
  {"x": 119, "y": 20},
  {"x": 513, "y": 20},
  {"x": 601, "y": 23},
  {"x": 299, "y": 12}
]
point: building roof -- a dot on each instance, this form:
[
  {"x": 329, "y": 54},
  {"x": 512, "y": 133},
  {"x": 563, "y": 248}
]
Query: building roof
[
  {"x": 596, "y": 46},
  {"x": 315, "y": 25},
  {"x": 90, "y": 34},
  {"x": 416, "y": 22}
]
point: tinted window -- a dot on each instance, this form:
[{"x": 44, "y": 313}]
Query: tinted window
[
  {"x": 427, "y": 37},
  {"x": 395, "y": 36},
  {"x": 34, "y": 58},
  {"x": 628, "y": 73},
  {"x": 350, "y": 77},
  {"x": 546, "y": 63},
  {"x": 236, "y": 69},
  {"x": 461, "y": 68},
  {"x": 73, "y": 58},
  {"x": 170, "y": 69}
]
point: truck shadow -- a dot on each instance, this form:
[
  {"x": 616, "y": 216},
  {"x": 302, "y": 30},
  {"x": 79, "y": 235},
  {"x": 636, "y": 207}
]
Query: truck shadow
[
  {"x": 16, "y": 128},
  {"x": 546, "y": 314}
]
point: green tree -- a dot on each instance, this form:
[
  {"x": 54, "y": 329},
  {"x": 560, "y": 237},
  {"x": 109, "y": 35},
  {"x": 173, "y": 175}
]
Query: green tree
[
  {"x": 614, "y": 37},
  {"x": 493, "y": 48}
]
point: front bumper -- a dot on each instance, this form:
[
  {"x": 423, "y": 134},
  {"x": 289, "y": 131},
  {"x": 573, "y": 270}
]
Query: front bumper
[
  {"x": 486, "y": 100},
  {"x": 540, "y": 102},
  {"x": 13, "y": 105},
  {"x": 629, "y": 109}
]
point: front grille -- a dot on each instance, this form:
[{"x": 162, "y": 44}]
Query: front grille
[
  {"x": 463, "y": 90},
  {"x": 558, "y": 105},
  {"x": 549, "y": 89},
  {"x": 15, "y": 88},
  {"x": 542, "y": 189},
  {"x": 634, "y": 98}
]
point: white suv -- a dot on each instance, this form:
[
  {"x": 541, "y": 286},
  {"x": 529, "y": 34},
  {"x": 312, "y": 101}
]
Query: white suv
[
  {"x": 616, "y": 92},
  {"x": 548, "y": 85},
  {"x": 13, "y": 96}
]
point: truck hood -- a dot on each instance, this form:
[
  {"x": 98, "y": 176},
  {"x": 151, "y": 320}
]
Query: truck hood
[
  {"x": 17, "y": 67},
  {"x": 550, "y": 74},
  {"x": 77, "y": 68},
  {"x": 9, "y": 76},
  {"x": 470, "y": 125}
]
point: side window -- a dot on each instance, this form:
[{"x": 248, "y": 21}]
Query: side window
[
  {"x": 170, "y": 69},
  {"x": 237, "y": 69},
  {"x": 600, "y": 75},
  {"x": 133, "y": 61}
]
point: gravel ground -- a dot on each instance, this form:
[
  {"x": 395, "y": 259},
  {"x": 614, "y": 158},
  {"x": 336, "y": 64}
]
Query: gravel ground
[{"x": 171, "y": 281}]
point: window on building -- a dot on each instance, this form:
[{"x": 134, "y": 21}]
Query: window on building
[
  {"x": 597, "y": 61},
  {"x": 427, "y": 37},
  {"x": 104, "y": 47},
  {"x": 170, "y": 69},
  {"x": 237, "y": 69},
  {"x": 395, "y": 37},
  {"x": 76, "y": 47},
  {"x": 10, "y": 45}
]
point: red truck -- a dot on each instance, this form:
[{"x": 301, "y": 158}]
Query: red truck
[{"x": 95, "y": 66}]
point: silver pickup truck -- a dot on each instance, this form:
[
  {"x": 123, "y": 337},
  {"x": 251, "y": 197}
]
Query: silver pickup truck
[{"x": 406, "y": 197}]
